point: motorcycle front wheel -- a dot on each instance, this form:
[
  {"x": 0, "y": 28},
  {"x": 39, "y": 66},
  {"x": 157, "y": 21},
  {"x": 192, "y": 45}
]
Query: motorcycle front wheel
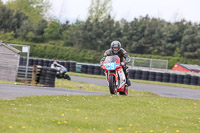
[{"x": 112, "y": 85}]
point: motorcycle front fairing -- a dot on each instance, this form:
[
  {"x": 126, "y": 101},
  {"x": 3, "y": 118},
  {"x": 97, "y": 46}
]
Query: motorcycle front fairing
[{"x": 111, "y": 63}]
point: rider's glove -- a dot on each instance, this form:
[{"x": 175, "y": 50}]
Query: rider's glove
[
  {"x": 122, "y": 63},
  {"x": 126, "y": 62}
]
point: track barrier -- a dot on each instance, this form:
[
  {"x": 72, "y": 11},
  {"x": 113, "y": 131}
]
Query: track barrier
[{"x": 95, "y": 69}]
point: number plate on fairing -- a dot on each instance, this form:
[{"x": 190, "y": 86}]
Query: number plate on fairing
[{"x": 111, "y": 66}]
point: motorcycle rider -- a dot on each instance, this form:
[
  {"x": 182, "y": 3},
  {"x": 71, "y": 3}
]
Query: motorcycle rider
[
  {"x": 115, "y": 49},
  {"x": 61, "y": 69}
]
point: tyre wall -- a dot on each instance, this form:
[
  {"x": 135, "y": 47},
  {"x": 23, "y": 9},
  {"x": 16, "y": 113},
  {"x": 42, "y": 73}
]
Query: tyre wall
[
  {"x": 70, "y": 65},
  {"x": 47, "y": 77},
  {"x": 133, "y": 73},
  {"x": 164, "y": 77}
]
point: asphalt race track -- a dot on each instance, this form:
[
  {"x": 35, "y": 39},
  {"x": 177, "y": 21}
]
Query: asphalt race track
[{"x": 8, "y": 91}]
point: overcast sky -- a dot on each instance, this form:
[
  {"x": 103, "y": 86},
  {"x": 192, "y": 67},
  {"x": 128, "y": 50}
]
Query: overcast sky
[{"x": 170, "y": 10}]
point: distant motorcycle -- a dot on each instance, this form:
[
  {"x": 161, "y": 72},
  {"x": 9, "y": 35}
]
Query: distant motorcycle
[
  {"x": 115, "y": 75},
  {"x": 61, "y": 71},
  {"x": 63, "y": 75}
]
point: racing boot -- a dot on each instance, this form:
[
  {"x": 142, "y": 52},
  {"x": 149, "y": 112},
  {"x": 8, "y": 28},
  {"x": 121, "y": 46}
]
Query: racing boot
[{"x": 128, "y": 82}]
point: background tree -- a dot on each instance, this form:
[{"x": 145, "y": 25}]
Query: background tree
[
  {"x": 35, "y": 9},
  {"x": 65, "y": 26},
  {"x": 99, "y": 9},
  {"x": 145, "y": 35},
  {"x": 1, "y": 3},
  {"x": 52, "y": 32},
  {"x": 39, "y": 30},
  {"x": 11, "y": 20},
  {"x": 23, "y": 31}
]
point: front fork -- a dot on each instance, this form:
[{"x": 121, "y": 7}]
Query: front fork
[{"x": 111, "y": 73}]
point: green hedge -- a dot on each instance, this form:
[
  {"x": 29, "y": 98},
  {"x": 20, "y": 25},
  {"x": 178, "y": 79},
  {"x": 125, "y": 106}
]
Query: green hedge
[
  {"x": 61, "y": 52},
  {"x": 58, "y": 51}
]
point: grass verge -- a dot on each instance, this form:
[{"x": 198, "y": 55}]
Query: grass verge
[
  {"x": 6, "y": 82},
  {"x": 143, "y": 112},
  {"x": 99, "y": 114},
  {"x": 62, "y": 83}
]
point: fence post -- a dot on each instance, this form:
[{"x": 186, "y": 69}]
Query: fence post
[
  {"x": 167, "y": 65},
  {"x": 150, "y": 63},
  {"x": 27, "y": 61},
  {"x": 133, "y": 61},
  {"x": 34, "y": 74}
]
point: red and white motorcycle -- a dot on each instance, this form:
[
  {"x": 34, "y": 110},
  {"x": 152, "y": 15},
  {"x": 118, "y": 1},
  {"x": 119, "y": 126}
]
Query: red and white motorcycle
[{"x": 115, "y": 75}]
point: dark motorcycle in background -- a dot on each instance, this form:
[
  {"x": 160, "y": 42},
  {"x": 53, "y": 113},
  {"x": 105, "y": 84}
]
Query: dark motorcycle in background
[
  {"x": 115, "y": 75},
  {"x": 63, "y": 75},
  {"x": 61, "y": 71}
]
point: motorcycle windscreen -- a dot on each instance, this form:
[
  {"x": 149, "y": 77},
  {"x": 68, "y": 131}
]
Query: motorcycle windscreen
[{"x": 112, "y": 62}]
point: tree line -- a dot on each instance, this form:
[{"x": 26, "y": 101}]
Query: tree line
[{"x": 143, "y": 35}]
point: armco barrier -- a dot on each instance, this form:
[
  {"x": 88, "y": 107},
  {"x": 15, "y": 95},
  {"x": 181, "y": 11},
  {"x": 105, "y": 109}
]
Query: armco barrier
[{"x": 22, "y": 72}]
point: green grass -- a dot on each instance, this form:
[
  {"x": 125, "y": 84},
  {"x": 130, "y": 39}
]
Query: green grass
[
  {"x": 138, "y": 81},
  {"x": 6, "y": 82},
  {"x": 62, "y": 83},
  {"x": 142, "y": 112},
  {"x": 99, "y": 114}
]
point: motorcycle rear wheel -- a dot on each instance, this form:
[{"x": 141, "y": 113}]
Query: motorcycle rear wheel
[
  {"x": 67, "y": 77},
  {"x": 125, "y": 92},
  {"x": 112, "y": 85}
]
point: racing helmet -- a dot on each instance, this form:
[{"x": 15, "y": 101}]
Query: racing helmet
[
  {"x": 115, "y": 46},
  {"x": 55, "y": 63}
]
